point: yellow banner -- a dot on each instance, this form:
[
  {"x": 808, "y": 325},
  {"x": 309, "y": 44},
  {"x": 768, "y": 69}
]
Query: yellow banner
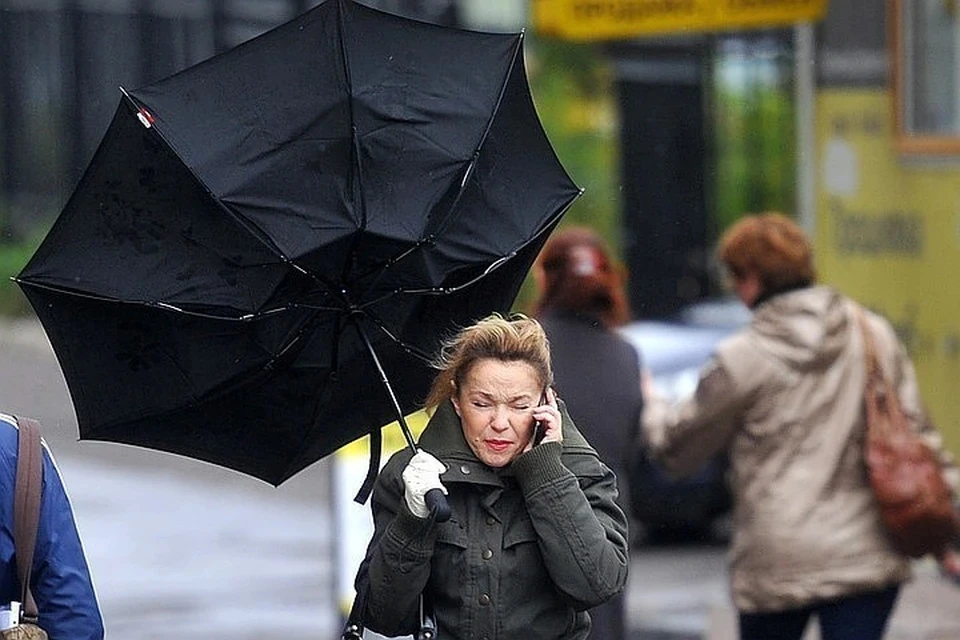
[
  {"x": 616, "y": 19},
  {"x": 393, "y": 439},
  {"x": 888, "y": 233}
]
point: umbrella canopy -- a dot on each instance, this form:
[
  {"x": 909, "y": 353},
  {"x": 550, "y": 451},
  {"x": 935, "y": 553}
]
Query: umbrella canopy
[{"x": 252, "y": 230}]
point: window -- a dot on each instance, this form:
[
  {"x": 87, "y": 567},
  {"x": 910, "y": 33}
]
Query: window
[{"x": 926, "y": 75}]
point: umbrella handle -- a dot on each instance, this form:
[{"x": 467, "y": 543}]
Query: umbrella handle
[{"x": 436, "y": 501}]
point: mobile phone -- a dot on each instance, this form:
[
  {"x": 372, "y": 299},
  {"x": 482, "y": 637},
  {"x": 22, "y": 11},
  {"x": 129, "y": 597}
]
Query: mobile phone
[{"x": 539, "y": 430}]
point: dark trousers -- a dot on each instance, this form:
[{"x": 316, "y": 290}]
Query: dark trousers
[
  {"x": 858, "y": 617},
  {"x": 607, "y": 622}
]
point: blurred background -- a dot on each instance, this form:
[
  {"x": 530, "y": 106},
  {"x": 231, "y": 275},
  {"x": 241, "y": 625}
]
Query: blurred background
[{"x": 675, "y": 117}]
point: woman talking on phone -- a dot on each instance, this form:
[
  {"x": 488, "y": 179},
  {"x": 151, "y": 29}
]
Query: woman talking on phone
[{"x": 535, "y": 536}]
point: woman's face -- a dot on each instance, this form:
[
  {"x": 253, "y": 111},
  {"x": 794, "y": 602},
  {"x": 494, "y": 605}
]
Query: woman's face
[
  {"x": 495, "y": 405},
  {"x": 748, "y": 288}
]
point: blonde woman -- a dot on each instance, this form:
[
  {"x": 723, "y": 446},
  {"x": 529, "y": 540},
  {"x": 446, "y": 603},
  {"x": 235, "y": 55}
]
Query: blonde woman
[{"x": 535, "y": 537}]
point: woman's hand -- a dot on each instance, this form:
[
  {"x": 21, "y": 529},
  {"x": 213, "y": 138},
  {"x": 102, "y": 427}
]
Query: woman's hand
[
  {"x": 548, "y": 415},
  {"x": 421, "y": 475}
]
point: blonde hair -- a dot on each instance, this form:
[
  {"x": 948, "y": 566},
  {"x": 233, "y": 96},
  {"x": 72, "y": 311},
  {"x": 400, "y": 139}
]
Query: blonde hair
[
  {"x": 516, "y": 338},
  {"x": 771, "y": 245}
]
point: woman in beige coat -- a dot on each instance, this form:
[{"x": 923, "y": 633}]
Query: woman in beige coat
[{"x": 785, "y": 399}]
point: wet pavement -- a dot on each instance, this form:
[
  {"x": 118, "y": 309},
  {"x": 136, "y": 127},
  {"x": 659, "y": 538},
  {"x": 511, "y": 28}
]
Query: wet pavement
[{"x": 213, "y": 559}]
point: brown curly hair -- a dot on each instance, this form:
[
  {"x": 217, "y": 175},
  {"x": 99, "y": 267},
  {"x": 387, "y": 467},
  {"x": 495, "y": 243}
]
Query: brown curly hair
[
  {"x": 575, "y": 273},
  {"x": 772, "y": 246}
]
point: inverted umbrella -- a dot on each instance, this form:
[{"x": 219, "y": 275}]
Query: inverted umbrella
[{"x": 267, "y": 248}]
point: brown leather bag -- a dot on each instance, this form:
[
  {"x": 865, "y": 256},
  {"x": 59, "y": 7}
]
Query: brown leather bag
[{"x": 916, "y": 503}]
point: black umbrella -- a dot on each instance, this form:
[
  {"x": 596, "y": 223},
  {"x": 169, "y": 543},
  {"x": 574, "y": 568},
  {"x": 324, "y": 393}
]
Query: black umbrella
[{"x": 263, "y": 239}]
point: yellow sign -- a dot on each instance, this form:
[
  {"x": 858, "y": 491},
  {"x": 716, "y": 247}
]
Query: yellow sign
[
  {"x": 614, "y": 19},
  {"x": 393, "y": 439},
  {"x": 889, "y": 235}
]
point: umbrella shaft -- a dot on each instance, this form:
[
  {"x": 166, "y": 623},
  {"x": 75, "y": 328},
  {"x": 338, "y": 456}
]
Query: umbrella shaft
[{"x": 386, "y": 383}]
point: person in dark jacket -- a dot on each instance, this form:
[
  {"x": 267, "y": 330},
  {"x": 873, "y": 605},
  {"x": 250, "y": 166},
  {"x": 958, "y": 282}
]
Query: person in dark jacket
[
  {"x": 60, "y": 580},
  {"x": 536, "y": 537},
  {"x": 581, "y": 302}
]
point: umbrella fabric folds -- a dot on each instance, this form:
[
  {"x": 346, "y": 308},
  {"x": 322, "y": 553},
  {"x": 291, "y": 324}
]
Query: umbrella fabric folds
[{"x": 263, "y": 237}]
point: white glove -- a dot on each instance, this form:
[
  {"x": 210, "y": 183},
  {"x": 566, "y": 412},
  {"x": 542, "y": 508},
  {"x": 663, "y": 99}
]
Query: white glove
[{"x": 420, "y": 476}]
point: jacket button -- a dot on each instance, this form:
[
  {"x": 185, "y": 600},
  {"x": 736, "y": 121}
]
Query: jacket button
[
  {"x": 491, "y": 520},
  {"x": 487, "y": 554},
  {"x": 484, "y": 600},
  {"x": 465, "y": 470}
]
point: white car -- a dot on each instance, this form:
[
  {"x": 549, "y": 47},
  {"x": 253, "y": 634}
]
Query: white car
[{"x": 674, "y": 350}]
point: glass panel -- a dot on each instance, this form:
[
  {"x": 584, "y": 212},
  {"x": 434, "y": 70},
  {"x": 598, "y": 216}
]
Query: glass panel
[
  {"x": 931, "y": 37},
  {"x": 754, "y": 128}
]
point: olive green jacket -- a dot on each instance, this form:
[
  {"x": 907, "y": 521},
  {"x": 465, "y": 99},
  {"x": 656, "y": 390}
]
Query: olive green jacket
[{"x": 527, "y": 550}]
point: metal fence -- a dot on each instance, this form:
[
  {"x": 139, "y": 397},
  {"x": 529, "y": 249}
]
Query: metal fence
[{"x": 62, "y": 63}]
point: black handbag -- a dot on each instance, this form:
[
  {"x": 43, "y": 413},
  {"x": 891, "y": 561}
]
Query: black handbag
[{"x": 353, "y": 630}]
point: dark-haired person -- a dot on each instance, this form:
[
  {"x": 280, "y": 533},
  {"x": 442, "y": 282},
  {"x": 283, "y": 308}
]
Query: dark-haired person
[
  {"x": 581, "y": 303},
  {"x": 784, "y": 398},
  {"x": 535, "y": 538}
]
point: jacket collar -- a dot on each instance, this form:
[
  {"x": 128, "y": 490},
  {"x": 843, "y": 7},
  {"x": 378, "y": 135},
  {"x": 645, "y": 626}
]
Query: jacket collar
[{"x": 443, "y": 437}]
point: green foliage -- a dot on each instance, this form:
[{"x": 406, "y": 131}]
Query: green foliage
[
  {"x": 755, "y": 142},
  {"x": 13, "y": 257},
  {"x": 572, "y": 86}
]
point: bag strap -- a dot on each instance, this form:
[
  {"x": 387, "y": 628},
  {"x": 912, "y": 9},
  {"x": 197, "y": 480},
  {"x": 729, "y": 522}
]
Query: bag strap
[
  {"x": 26, "y": 508},
  {"x": 878, "y": 386},
  {"x": 373, "y": 467},
  {"x": 872, "y": 364}
]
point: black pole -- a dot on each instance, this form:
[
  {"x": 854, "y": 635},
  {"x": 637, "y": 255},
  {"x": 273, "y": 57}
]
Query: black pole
[
  {"x": 74, "y": 113},
  {"x": 220, "y": 42},
  {"x": 435, "y": 499},
  {"x": 386, "y": 383},
  {"x": 9, "y": 114}
]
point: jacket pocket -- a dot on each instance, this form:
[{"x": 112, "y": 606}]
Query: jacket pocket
[
  {"x": 451, "y": 533},
  {"x": 449, "y": 570},
  {"x": 519, "y": 532}
]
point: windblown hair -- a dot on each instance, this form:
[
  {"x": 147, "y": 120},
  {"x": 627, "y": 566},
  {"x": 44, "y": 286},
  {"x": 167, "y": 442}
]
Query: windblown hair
[
  {"x": 771, "y": 245},
  {"x": 575, "y": 273},
  {"x": 513, "y": 339}
]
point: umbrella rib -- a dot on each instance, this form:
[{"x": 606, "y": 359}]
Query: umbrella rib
[
  {"x": 439, "y": 291},
  {"x": 381, "y": 270},
  {"x": 248, "y": 225},
  {"x": 170, "y": 307},
  {"x": 355, "y": 168},
  {"x": 417, "y": 353},
  {"x": 486, "y": 133}
]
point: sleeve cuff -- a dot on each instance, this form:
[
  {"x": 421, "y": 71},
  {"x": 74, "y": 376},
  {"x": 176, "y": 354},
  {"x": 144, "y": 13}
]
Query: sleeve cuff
[
  {"x": 539, "y": 466},
  {"x": 418, "y": 536}
]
